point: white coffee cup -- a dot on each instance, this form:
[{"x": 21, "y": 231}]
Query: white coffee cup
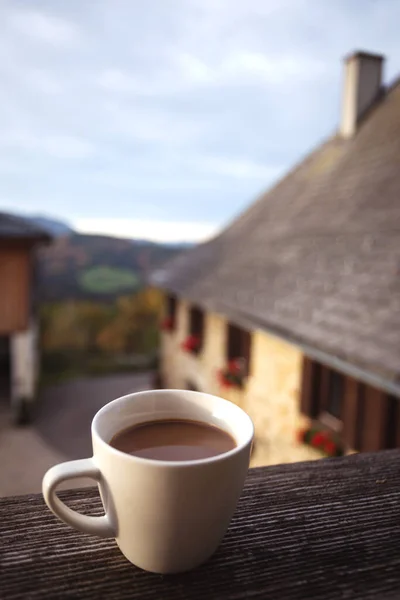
[{"x": 166, "y": 516}]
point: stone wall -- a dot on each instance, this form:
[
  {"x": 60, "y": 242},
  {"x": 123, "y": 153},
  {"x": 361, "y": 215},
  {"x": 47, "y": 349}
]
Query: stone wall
[{"x": 271, "y": 393}]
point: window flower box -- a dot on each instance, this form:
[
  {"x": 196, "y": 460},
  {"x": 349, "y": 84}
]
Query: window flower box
[
  {"x": 234, "y": 374},
  {"x": 322, "y": 440},
  {"x": 192, "y": 344}
]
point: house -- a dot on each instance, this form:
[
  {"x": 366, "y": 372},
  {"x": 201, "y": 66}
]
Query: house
[
  {"x": 19, "y": 240},
  {"x": 304, "y": 289}
]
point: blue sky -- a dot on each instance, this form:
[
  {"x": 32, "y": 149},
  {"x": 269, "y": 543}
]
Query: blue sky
[{"x": 165, "y": 119}]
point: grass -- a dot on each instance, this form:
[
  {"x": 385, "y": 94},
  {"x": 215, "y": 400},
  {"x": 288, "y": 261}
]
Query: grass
[{"x": 108, "y": 280}]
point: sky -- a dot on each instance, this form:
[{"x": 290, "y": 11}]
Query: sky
[{"x": 165, "y": 119}]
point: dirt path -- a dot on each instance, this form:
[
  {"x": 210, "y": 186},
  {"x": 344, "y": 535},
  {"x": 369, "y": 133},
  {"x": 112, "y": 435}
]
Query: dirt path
[{"x": 60, "y": 431}]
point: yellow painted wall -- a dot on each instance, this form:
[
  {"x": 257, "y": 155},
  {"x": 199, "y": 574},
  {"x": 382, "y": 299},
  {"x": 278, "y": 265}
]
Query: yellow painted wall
[{"x": 271, "y": 393}]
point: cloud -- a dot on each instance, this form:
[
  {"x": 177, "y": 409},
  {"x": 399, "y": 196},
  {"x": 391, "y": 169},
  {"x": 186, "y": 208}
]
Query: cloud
[
  {"x": 149, "y": 124},
  {"x": 184, "y": 113},
  {"x": 56, "y": 146},
  {"x": 43, "y": 81},
  {"x": 195, "y": 70},
  {"x": 280, "y": 69},
  {"x": 118, "y": 80},
  {"x": 240, "y": 168},
  {"x": 244, "y": 66},
  {"x": 157, "y": 231},
  {"x": 43, "y": 27}
]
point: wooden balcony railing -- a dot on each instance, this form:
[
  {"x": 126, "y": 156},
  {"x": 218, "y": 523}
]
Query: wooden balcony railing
[{"x": 323, "y": 530}]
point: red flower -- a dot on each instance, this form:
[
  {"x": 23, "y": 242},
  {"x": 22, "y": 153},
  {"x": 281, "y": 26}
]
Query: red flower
[
  {"x": 330, "y": 447},
  {"x": 318, "y": 439},
  {"x": 323, "y": 440},
  {"x": 191, "y": 343}
]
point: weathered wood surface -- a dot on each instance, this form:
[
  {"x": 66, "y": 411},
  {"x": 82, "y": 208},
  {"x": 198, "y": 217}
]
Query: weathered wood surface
[{"x": 321, "y": 530}]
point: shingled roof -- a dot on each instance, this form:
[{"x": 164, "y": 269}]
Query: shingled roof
[
  {"x": 17, "y": 228},
  {"x": 317, "y": 258}
]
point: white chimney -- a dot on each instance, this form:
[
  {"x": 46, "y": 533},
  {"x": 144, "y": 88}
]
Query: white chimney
[{"x": 362, "y": 86}]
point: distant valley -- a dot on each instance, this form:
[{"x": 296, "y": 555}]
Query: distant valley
[{"x": 95, "y": 267}]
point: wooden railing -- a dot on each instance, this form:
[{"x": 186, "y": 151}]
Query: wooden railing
[{"x": 323, "y": 530}]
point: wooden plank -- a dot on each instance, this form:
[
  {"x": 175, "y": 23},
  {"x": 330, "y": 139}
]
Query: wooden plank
[
  {"x": 300, "y": 531},
  {"x": 15, "y": 282},
  {"x": 376, "y": 409},
  {"x": 350, "y": 413}
]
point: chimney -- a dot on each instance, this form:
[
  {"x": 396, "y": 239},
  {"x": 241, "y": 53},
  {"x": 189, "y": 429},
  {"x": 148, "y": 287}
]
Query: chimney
[{"x": 362, "y": 86}]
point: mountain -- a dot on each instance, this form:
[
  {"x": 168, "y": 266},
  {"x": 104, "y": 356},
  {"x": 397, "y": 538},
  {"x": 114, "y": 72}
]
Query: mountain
[
  {"x": 97, "y": 267},
  {"x": 52, "y": 226}
]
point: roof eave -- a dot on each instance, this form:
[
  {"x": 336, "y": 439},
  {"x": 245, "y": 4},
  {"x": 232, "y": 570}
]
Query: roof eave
[{"x": 387, "y": 382}]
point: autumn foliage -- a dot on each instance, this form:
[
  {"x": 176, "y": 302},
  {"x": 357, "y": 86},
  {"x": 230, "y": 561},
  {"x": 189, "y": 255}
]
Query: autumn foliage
[{"x": 128, "y": 325}]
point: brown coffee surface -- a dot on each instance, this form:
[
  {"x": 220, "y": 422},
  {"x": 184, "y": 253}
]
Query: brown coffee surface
[{"x": 177, "y": 439}]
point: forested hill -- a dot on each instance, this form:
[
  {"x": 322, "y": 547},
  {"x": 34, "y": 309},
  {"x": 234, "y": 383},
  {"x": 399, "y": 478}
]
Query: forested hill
[{"x": 96, "y": 267}]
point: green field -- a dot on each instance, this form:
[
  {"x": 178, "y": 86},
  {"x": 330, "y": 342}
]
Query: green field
[{"x": 108, "y": 280}]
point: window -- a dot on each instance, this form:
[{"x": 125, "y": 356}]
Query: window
[
  {"x": 367, "y": 418},
  {"x": 335, "y": 394},
  {"x": 239, "y": 345},
  {"x": 322, "y": 393},
  {"x": 196, "y": 326},
  {"x": 171, "y": 310}
]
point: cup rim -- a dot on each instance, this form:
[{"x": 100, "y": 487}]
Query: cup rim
[{"x": 172, "y": 463}]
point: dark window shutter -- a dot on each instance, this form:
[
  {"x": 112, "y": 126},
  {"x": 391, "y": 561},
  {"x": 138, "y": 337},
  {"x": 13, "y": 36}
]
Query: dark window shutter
[
  {"x": 398, "y": 423},
  {"x": 324, "y": 382},
  {"x": 336, "y": 394},
  {"x": 392, "y": 422},
  {"x": 239, "y": 345},
  {"x": 171, "y": 309},
  {"x": 246, "y": 351},
  {"x": 235, "y": 338},
  {"x": 306, "y": 396},
  {"x": 196, "y": 322},
  {"x": 360, "y": 416},
  {"x": 376, "y": 408},
  {"x": 350, "y": 413}
]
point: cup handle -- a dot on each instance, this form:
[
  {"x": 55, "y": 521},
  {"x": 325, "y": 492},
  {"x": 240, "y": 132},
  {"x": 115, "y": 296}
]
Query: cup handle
[{"x": 86, "y": 467}]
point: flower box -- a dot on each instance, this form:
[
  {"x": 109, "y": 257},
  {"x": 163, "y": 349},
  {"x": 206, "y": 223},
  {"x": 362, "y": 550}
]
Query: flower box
[
  {"x": 192, "y": 344},
  {"x": 234, "y": 374},
  {"x": 322, "y": 440}
]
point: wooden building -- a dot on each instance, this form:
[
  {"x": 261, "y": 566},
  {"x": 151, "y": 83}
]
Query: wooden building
[
  {"x": 293, "y": 311},
  {"x": 19, "y": 240}
]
